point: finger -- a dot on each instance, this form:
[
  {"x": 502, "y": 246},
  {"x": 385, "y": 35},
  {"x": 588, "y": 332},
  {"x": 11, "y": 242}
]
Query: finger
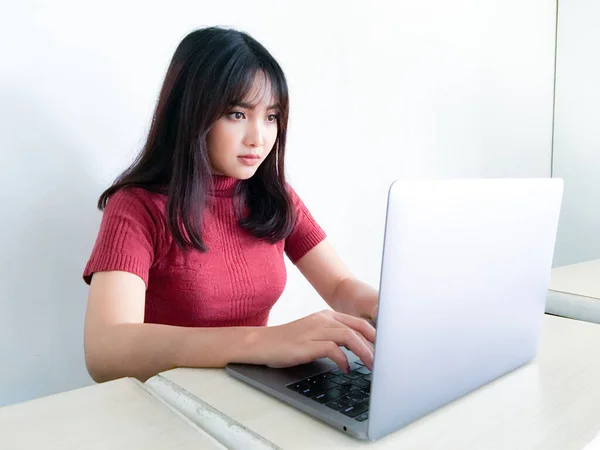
[
  {"x": 360, "y": 325},
  {"x": 367, "y": 343},
  {"x": 364, "y": 339},
  {"x": 350, "y": 339},
  {"x": 329, "y": 349}
]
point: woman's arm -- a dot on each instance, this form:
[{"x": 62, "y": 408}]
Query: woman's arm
[
  {"x": 356, "y": 298},
  {"x": 332, "y": 279},
  {"x": 118, "y": 344}
]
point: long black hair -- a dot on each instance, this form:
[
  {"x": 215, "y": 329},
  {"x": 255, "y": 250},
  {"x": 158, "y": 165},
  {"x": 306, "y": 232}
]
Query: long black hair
[{"x": 212, "y": 70}]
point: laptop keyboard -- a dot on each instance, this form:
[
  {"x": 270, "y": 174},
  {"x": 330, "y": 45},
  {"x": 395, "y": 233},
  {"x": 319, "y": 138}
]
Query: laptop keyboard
[{"x": 347, "y": 393}]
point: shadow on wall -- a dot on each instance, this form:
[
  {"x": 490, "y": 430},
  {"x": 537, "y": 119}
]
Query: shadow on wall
[{"x": 47, "y": 229}]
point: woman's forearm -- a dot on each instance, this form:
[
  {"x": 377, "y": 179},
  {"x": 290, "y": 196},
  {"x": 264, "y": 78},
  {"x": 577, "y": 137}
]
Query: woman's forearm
[
  {"x": 144, "y": 350},
  {"x": 355, "y": 298}
]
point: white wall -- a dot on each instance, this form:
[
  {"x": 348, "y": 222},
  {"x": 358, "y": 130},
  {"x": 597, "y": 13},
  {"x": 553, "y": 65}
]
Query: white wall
[
  {"x": 380, "y": 90},
  {"x": 577, "y": 130}
]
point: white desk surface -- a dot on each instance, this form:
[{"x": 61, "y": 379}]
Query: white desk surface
[
  {"x": 579, "y": 279},
  {"x": 552, "y": 403},
  {"x": 116, "y": 415}
]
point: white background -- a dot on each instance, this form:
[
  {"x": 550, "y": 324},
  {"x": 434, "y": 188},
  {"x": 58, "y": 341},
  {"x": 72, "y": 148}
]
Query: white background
[{"x": 379, "y": 90}]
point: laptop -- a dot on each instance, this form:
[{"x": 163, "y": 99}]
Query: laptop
[{"x": 464, "y": 278}]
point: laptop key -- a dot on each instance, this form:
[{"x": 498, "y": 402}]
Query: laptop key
[
  {"x": 346, "y": 387},
  {"x": 361, "y": 383},
  {"x": 353, "y": 398},
  {"x": 349, "y": 400},
  {"x": 354, "y": 365},
  {"x": 299, "y": 386},
  {"x": 363, "y": 371},
  {"x": 313, "y": 389},
  {"x": 353, "y": 375},
  {"x": 325, "y": 397},
  {"x": 360, "y": 395},
  {"x": 362, "y": 417},
  {"x": 325, "y": 385},
  {"x": 355, "y": 410},
  {"x": 337, "y": 405},
  {"x": 317, "y": 378},
  {"x": 340, "y": 379},
  {"x": 336, "y": 372},
  {"x": 310, "y": 392}
]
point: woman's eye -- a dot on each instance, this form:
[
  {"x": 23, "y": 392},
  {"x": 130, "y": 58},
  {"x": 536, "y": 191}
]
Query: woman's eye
[
  {"x": 272, "y": 118},
  {"x": 236, "y": 115}
]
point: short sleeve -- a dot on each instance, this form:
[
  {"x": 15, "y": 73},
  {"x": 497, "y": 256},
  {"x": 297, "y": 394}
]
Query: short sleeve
[
  {"x": 306, "y": 233},
  {"x": 128, "y": 235}
]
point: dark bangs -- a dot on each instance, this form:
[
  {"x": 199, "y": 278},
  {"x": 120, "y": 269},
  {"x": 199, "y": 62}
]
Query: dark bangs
[{"x": 239, "y": 75}]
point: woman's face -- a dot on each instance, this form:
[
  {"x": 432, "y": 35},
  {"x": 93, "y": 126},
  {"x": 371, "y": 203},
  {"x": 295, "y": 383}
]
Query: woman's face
[{"x": 240, "y": 141}]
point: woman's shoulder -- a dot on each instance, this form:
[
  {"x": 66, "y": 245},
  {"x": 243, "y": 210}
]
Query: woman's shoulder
[
  {"x": 137, "y": 199},
  {"x": 139, "y": 213}
]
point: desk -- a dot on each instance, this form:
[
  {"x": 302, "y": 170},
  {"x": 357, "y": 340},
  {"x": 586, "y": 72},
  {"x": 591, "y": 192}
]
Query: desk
[
  {"x": 552, "y": 403},
  {"x": 575, "y": 291},
  {"x": 120, "y": 414}
]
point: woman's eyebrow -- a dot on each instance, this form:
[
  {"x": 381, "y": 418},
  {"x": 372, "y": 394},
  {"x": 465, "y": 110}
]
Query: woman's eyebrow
[{"x": 250, "y": 106}]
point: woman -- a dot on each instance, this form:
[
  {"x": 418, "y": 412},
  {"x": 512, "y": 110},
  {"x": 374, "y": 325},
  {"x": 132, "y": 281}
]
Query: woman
[{"x": 189, "y": 259}]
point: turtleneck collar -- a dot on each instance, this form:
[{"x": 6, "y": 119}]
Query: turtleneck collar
[{"x": 223, "y": 186}]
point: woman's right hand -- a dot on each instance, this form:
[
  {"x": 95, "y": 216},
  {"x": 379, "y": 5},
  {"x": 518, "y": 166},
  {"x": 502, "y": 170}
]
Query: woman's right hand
[{"x": 319, "y": 335}]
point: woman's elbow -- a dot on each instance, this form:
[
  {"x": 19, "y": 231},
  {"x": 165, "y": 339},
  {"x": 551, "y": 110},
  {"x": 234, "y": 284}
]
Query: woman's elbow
[
  {"x": 97, "y": 369},
  {"x": 97, "y": 361}
]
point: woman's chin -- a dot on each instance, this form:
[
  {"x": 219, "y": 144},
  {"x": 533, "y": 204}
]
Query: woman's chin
[
  {"x": 238, "y": 171},
  {"x": 244, "y": 172}
]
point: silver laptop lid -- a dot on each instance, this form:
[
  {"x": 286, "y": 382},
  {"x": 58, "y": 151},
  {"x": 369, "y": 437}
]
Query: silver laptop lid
[{"x": 465, "y": 272}]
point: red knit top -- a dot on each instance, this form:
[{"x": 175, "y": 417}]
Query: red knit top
[{"x": 235, "y": 283}]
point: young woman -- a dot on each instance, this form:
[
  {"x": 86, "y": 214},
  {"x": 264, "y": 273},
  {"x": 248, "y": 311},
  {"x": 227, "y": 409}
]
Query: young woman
[{"x": 189, "y": 259}]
